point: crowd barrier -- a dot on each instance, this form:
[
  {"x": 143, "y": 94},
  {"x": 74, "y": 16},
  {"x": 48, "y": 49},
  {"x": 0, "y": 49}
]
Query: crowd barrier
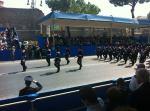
[
  {"x": 60, "y": 100},
  {"x": 6, "y": 55}
]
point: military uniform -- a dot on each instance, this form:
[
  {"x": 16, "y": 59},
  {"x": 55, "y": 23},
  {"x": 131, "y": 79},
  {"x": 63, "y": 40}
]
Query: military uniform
[
  {"x": 67, "y": 55},
  {"x": 57, "y": 61},
  {"x": 48, "y": 56},
  {"x": 23, "y": 60},
  {"x": 80, "y": 57}
]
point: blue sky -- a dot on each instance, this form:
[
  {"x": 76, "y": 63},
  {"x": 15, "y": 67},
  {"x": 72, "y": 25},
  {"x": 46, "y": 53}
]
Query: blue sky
[{"x": 104, "y": 5}]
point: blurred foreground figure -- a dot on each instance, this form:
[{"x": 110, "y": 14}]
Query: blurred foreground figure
[
  {"x": 28, "y": 89},
  {"x": 90, "y": 100}
]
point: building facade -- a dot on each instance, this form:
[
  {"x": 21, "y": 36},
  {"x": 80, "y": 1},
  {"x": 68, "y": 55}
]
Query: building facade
[{"x": 24, "y": 20}]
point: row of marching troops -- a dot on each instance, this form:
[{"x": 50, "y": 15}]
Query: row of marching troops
[
  {"x": 57, "y": 58},
  {"x": 125, "y": 52}
]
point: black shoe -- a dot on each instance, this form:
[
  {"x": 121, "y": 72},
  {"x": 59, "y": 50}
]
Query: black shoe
[
  {"x": 57, "y": 71},
  {"x": 80, "y": 67},
  {"x": 24, "y": 71}
]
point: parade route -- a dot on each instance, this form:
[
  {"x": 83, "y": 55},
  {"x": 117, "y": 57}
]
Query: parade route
[{"x": 93, "y": 71}]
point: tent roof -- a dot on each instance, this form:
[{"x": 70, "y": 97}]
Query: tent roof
[
  {"x": 86, "y": 20},
  {"x": 144, "y": 22},
  {"x": 90, "y": 17}
]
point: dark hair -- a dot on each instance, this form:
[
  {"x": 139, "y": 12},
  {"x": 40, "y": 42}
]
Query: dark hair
[
  {"x": 28, "y": 83},
  {"x": 87, "y": 93},
  {"x": 120, "y": 82},
  {"x": 114, "y": 94}
]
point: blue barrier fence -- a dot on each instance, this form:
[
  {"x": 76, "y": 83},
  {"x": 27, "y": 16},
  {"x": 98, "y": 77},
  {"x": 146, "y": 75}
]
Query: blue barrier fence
[
  {"x": 61, "y": 100},
  {"x": 6, "y": 55}
]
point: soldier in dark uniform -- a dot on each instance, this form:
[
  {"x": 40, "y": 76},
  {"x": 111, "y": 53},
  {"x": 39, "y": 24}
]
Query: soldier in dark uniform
[
  {"x": 67, "y": 55},
  {"x": 48, "y": 56},
  {"x": 125, "y": 55},
  {"x": 105, "y": 52},
  {"x": 98, "y": 52},
  {"x": 110, "y": 52},
  {"x": 57, "y": 60},
  {"x": 23, "y": 60},
  {"x": 80, "y": 57},
  {"x": 142, "y": 56}
]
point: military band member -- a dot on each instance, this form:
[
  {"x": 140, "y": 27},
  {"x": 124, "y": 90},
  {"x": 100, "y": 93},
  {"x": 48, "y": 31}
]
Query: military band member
[
  {"x": 67, "y": 55},
  {"x": 57, "y": 60},
  {"x": 80, "y": 57},
  {"x": 23, "y": 60},
  {"x": 48, "y": 56}
]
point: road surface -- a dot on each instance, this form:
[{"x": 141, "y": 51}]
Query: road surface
[{"x": 93, "y": 71}]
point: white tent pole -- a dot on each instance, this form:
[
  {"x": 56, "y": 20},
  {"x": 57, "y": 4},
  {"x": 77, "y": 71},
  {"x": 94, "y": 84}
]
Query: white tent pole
[{"x": 41, "y": 31}]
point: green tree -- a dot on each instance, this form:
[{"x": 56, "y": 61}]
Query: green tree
[
  {"x": 148, "y": 15},
  {"x": 73, "y": 6},
  {"x": 132, "y": 3},
  {"x": 58, "y": 5}
]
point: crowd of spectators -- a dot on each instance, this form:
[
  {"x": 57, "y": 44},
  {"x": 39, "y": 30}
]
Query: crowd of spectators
[
  {"x": 121, "y": 97},
  {"x": 88, "y": 40},
  {"x": 3, "y": 42},
  {"x": 8, "y": 38}
]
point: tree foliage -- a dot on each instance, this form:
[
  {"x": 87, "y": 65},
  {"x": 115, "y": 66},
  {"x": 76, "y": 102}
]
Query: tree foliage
[
  {"x": 58, "y": 5},
  {"x": 73, "y": 6},
  {"x": 132, "y": 3}
]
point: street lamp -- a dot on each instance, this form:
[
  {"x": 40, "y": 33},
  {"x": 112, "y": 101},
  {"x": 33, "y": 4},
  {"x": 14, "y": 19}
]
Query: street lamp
[{"x": 33, "y": 3}]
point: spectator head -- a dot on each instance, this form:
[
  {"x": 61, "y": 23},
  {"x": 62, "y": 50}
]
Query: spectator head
[
  {"x": 28, "y": 80},
  {"x": 114, "y": 95},
  {"x": 142, "y": 75},
  {"x": 120, "y": 82},
  {"x": 88, "y": 95},
  {"x": 140, "y": 65}
]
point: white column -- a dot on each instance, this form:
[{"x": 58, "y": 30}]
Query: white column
[{"x": 41, "y": 30}]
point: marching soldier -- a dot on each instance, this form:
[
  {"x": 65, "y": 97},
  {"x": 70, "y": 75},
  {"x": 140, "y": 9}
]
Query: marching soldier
[
  {"x": 98, "y": 52},
  {"x": 48, "y": 56},
  {"x": 23, "y": 60},
  {"x": 79, "y": 58},
  {"x": 67, "y": 55},
  {"x": 57, "y": 60}
]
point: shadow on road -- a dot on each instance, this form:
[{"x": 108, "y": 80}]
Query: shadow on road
[
  {"x": 49, "y": 73},
  {"x": 63, "y": 64},
  {"x": 128, "y": 66},
  {"x": 95, "y": 59},
  {"x": 72, "y": 70},
  {"x": 38, "y": 67},
  {"x": 113, "y": 62},
  {"x": 14, "y": 72},
  {"x": 106, "y": 60},
  {"x": 121, "y": 64}
]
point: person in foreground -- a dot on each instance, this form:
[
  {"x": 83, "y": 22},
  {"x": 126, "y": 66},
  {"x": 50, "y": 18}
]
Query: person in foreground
[
  {"x": 140, "y": 98},
  {"x": 133, "y": 85},
  {"x": 28, "y": 89},
  {"x": 90, "y": 100}
]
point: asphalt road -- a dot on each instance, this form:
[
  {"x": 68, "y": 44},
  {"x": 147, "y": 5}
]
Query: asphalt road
[{"x": 93, "y": 71}]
